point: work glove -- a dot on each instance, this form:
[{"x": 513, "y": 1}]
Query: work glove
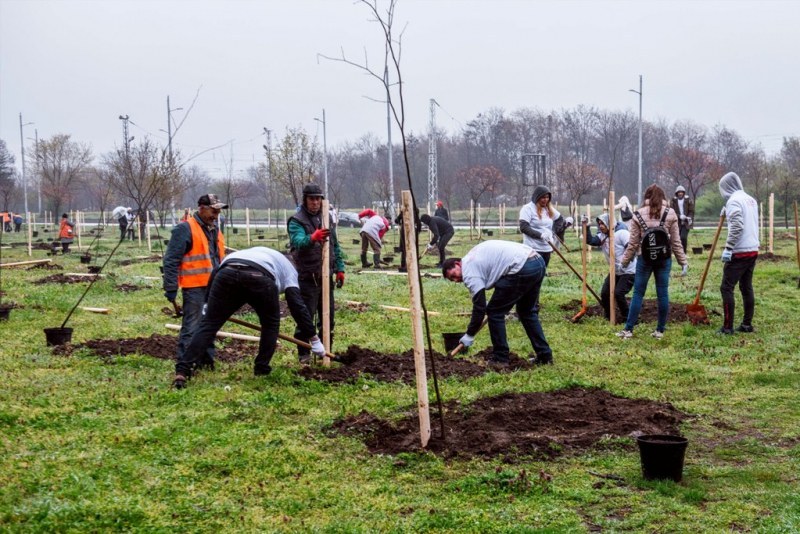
[
  {"x": 685, "y": 270},
  {"x": 546, "y": 236},
  {"x": 727, "y": 255},
  {"x": 316, "y": 347},
  {"x": 467, "y": 340},
  {"x": 624, "y": 264},
  {"x": 683, "y": 217},
  {"x": 339, "y": 279},
  {"x": 689, "y": 221},
  {"x": 171, "y": 295},
  {"x": 320, "y": 235},
  {"x": 570, "y": 221}
]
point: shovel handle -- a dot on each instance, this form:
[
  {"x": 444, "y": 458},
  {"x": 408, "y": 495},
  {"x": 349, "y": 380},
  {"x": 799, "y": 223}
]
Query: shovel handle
[
  {"x": 708, "y": 261},
  {"x": 582, "y": 279},
  {"x": 460, "y": 346},
  {"x": 284, "y": 337}
]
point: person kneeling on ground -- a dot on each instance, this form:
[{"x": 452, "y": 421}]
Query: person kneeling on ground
[
  {"x": 254, "y": 276},
  {"x": 515, "y": 271},
  {"x": 624, "y": 276},
  {"x": 442, "y": 234}
]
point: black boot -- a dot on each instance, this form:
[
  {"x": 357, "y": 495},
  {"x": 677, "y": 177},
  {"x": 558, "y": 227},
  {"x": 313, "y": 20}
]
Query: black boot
[
  {"x": 376, "y": 260},
  {"x": 364, "y": 262}
]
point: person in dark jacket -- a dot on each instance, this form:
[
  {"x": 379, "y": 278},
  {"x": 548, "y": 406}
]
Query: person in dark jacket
[
  {"x": 442, "y": 234},
  {"x": 306, "y": 236},
  {"x": 17, "y": 222},
  {"x": 441, "y": 211},
  {"x": 683, "y": 207},
  {"x": 196, "y": 248},
  {"x": 255, "y": 276}
]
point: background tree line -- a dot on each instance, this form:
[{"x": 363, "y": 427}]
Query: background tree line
[{"x": 588, "y": 152}]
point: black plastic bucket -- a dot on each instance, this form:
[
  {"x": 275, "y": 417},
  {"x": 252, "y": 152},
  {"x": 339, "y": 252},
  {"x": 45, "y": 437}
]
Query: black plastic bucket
[
  {"x": 662, "y": 456},
  {"x": 398, "y": 250},
  {"x": 35, "y": 233},
  {"x": 261, "y": 237},
  {"x": 356, "y": 241},
  {"x": 86, "y": 259},
  {"x": 490, "y": 233},
  {"x": 451, "y": 340},
  {"x": 94, "y": 269},
  {"x": 57, "y": 336},
  {"x": 4, "y": 312},
  {"x": 707, "y": 246},
  {"x": 697, "y": 250},
  {"x": 235, "y": 230}
]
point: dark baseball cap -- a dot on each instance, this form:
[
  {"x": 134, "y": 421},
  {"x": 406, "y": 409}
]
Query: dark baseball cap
[{"x": 212, "y": 201}]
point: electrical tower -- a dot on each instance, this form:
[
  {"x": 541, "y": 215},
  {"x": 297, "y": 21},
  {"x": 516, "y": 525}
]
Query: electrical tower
[
  {"x": 433, "y": 179},
  {"x": 125, "y": 139}
]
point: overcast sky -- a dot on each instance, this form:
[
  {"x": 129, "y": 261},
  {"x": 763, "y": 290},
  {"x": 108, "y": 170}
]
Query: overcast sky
[{"x": 75, "y": 66}]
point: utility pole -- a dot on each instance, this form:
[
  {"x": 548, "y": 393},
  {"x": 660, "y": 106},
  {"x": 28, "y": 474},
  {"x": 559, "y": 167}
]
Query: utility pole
[
  {"x": 22, "y": 150},
  {"x": 389, "y": 129},
  {"x": 324, "y": 150},
  {"x": 38, "y": 171},
  {"x": 125, "y": 139},
  {"x": 433, "y": 178},
  {"x": 169, "y": 130},
  {"x": 639, "y": 190}
]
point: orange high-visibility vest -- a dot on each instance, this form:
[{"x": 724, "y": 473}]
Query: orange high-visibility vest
[
  {"x": 65, "y": 230},
  {"x": 196, "y": 265}
]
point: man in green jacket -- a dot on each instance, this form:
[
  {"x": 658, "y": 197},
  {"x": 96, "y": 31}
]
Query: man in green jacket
[{"x": 306, "y": 236}]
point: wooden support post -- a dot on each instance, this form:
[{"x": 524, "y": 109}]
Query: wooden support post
[
  {"x": 479, "y": 222},
  {"x": 30, "y": 234},
  {"x": 147, "y": 231},
  {"x": 761, "y": 225},
  {"x": 416, "y": 319},
  {"x": 247, "y": 224},
  {"x": 588, "y": 248},
  {"x": 326, "y": 286},
  {"x": 29, "y": 262},
  {"x": 78, "y": 226},
  {"x": 772, "y": 223},
  {"x": 471, "y": 217},
  {"x": 612, "y": 266},
  {"x": 797, "y": 239}
]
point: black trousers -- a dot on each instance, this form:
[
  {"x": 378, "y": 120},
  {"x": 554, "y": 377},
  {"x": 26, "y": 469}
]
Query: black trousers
[
  {"x": 444, "y": 239},
  {"x": 683, "y": 230},
  {"x": 623, "y": 283},
  {"x": 231, "y": 288},
  {"x": 738, "y": 271},
  {"x": 311, "y": 292}
]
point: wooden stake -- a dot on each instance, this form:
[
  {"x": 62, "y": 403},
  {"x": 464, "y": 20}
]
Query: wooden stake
[
  {"x": 797, "y": 239},
  {"x": 471, "y": 218},
  {"x": 479, "y": 222},
  {"x": 416, "y": 320},
  {"x": 588, "y": 248},
  {"x": 771, "y": 223},
  {"x": 78, "y": 227},
  {"x": 104, "y": 311},
  {"x": 612, "y": 266},
  {"x": 147, "y": 231},
  {"x": 326, "y": 286},
  {"x": 28, "y": 262},
  {"x": 30, "y": 234},
  {"x": 221, "y": 333},
  {"x": 761, "y": 225},
  {"x": 247, "y": 224}
]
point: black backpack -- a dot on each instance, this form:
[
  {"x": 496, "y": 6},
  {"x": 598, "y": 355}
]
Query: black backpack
[{"x": 655, "y": 241}]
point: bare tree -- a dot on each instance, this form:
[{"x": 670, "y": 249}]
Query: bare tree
[
  {"x": 97, "y": 185},
  {"x": 788, "y": 180},
  {"x": 61, "y": 164},
  {"x": 614, "y": 131},
  {"x": 293, "y": 162},
  {"x": 8, "y": 182},
  {"x": 579, "y": 179}
]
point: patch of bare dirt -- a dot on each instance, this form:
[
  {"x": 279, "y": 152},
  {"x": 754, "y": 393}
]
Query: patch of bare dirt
[
  {"x": 649, "y": 313},
  {"x": 63, "y": 279},
  {"x": 513, "y": 425},
  {"x": 149, "y": 259},
  {"x": 127, "y": 288},
  {"x": 358, "y": 361},
  {"x": 158, "y": 346},
  {"x": 769, "y": 256},
  {"x": 45, "y": 267}
]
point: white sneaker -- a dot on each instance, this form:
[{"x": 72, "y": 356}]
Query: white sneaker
[
  {"x": 625, "y": 334},
  {"x": 656, "y": 334}
]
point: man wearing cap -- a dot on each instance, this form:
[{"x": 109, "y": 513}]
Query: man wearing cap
[
  {"x": 684, "y": 209},
  {"x": 306, "y": 236},
  {"x": 195, "y": 249},
  {"x": 441, "y": 211}
]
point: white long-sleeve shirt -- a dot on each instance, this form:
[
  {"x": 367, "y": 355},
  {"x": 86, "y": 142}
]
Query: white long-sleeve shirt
[
  {"x": 489, "y": 261},
  {"x": 545, "y": 222}
]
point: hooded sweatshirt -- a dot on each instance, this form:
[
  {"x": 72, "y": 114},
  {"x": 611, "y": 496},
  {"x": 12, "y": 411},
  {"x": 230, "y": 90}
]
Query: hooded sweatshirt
[
  {"x": 531, "y": 224},
  {"x": 621, "y": 238},
  {"x": 741, "y": 211}
]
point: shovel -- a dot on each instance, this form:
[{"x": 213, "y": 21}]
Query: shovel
[
  {"x": 583, "y": 309},
  {"x": 460, "y": 346},
  {"x": 582, "y": 279},
  {"x": 696, "y": 311},
  {"x": 284, "y": 337}
]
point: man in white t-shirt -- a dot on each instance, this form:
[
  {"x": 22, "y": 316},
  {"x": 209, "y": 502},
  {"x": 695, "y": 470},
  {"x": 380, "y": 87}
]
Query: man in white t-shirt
[{"x": 515, "y": 272}]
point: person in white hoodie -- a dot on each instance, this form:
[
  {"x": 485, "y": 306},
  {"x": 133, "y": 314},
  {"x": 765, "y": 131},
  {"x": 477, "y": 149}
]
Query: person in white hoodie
[
  {"x": 740, "y": 253},
  {"x": 624, "y": 276}
]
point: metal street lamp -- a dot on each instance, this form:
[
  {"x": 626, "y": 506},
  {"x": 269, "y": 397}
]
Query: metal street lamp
[
  {"x": 639, "y": 191},
  {"x": 324, "y": 150},
  {"x": 22, "y": 150}
]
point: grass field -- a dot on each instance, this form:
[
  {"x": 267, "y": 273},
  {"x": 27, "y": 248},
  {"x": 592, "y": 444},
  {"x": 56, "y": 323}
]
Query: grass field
[{"x": 91, "y": 444}]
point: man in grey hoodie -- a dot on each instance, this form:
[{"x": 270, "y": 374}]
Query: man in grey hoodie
[{"x": 740, "y": 253}]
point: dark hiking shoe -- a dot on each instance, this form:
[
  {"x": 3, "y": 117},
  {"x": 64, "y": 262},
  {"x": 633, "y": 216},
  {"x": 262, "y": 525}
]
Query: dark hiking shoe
[
  {"x": 304, "y": 359},
  {"x": 402, "y": 270},
  {"x": 179, "y": 382},
  {"x": 725, "y": 331},
  {"x": 746, "y": 328},
  {"x": 542, "y": 359},
  {"x": 262, "y": 371}
]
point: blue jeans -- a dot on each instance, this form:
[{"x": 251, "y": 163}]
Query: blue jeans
[
  {"x": 643, "y": 272},
  {"x": 521, "y": 289},
  {"x": 193, "y": 300}
]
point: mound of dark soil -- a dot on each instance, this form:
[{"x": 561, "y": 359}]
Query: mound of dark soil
[
  {"x": 63, "y": 279},
  {"x": 158, "y": 346},
  {"x": 46, "y": 267},
  {"x": 769, "y": 256},
  {"x": 149, "y": 259},
  {"x": 649, "y": 314},
  {"x": 513, "y": 425},
  {"x": 358, "y": 361},
  {"x": 127, "y": 288}
]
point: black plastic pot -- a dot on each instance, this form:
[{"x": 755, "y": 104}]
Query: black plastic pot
[
  {"x": 94, "y": 269},
  {"x": 707, "y": 246},
  {"x": 398, "y": 250},
  {"x": 57, "y": 336},
  {"x": 490, "y": 233},
  {"x": 86, "y": 259},
  {"x": 451, "y": 340},
  {"x": 35, "y": 233},
  {"x": 356, "y": 241},
  {"x": 235, "y": 230},
  {"x": 4, "y": 313},
  {"x": 697, "y": 250},
  {"x": 261, "y": 237},
  {"x": 662, "y": 456}
]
